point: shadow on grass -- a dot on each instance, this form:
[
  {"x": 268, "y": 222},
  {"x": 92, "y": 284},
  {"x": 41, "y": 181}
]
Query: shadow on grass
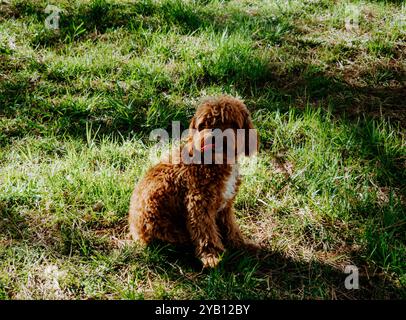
[
  {"x": 127, "y": 113},
  {"x": 79, "y": 22},
  {"x": 12, "y": 224},
  {"x": 268, "y": 275}
]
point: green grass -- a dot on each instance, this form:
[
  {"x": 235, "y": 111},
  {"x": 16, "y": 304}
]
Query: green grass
[{"x": 77, "y": 106}]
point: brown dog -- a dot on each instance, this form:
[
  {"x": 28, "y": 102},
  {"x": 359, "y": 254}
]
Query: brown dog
[{"x": 182, "y": 202}]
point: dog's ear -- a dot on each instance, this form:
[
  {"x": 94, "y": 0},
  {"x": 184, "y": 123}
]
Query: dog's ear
[
  {"x": 251, "y": 137},
  {"x": 192, "y": 123},
  {"x": 190, "y": 137}
]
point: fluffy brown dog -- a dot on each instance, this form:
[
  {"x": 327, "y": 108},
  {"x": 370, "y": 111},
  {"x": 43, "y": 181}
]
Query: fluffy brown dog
[{"x": 184, "y": 202}]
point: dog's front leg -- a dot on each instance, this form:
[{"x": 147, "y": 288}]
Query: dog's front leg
[
  {"x": 231, "y": 232},
  {"x": 201, "y": 224},
  {"x": 229, "y": 228}
]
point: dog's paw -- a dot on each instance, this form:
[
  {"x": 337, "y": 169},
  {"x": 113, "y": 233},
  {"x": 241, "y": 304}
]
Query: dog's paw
[
  {"x": 252, "y": 247},
  {"x": 210, "y": 260},
  {"x": 246, "y": 245}
]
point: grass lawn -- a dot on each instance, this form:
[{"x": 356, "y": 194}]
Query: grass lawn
[{"x": 77, "y": 105}]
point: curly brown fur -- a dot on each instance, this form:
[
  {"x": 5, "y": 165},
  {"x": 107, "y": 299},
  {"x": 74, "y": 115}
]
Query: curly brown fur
[{"x": 184, "y": 203}]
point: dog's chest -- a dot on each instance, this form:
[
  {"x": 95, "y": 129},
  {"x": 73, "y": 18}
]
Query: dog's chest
[{"x": 230, "y": 187}]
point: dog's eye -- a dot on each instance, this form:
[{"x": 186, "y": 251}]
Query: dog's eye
[{"x": 201, "y": 127}]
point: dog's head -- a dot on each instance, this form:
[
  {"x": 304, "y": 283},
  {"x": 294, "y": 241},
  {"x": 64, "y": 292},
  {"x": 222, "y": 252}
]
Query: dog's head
[{"x": 222, "y": 129}]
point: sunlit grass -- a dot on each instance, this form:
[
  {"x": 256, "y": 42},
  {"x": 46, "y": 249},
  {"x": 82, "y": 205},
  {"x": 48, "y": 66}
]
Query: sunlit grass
[{"x": 77, "y": 106}]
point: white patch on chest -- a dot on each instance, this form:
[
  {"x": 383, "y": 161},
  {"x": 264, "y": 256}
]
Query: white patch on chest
[{"x": 230, "y": 187}]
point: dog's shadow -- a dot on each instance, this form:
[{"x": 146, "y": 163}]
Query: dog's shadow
[{"x": 274, "y": 275}]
